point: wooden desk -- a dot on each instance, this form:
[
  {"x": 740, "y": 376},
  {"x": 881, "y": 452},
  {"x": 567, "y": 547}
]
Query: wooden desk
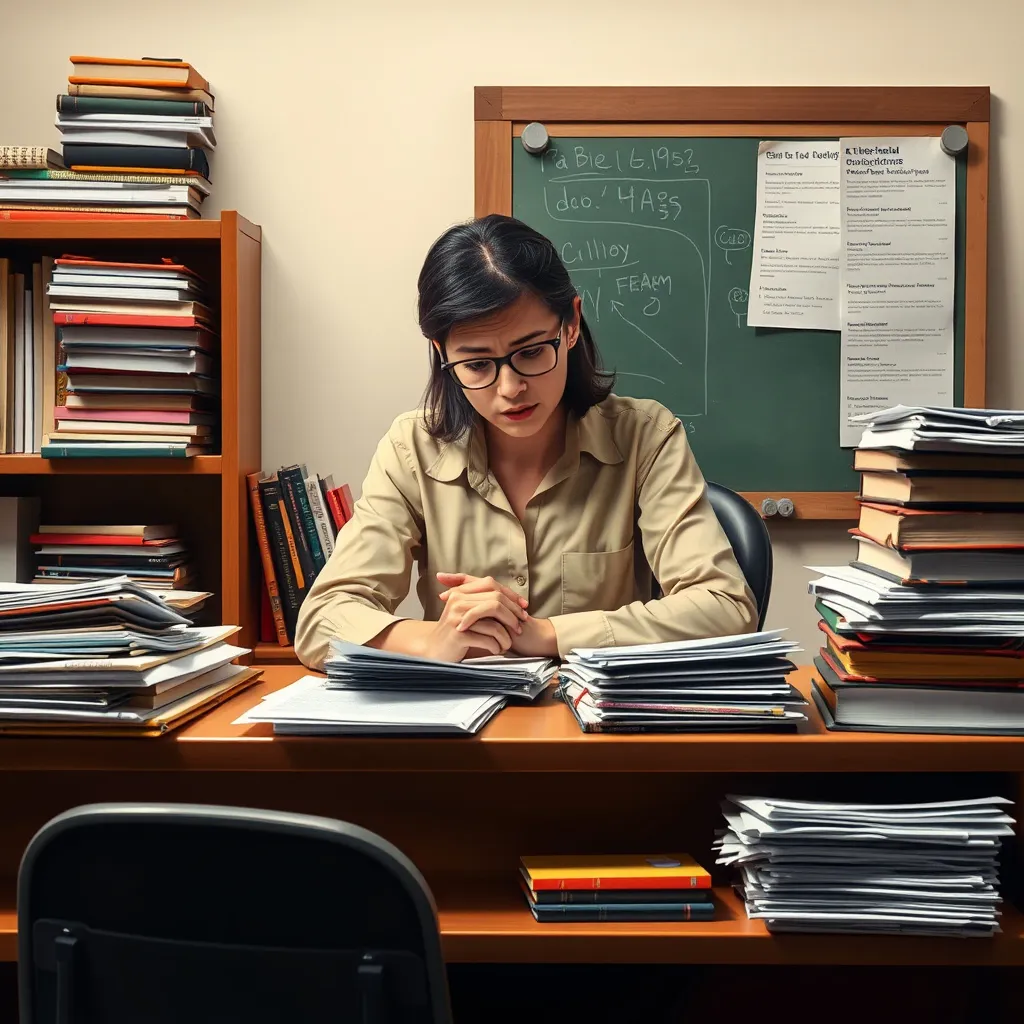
[{"x": 466, "y": 808}]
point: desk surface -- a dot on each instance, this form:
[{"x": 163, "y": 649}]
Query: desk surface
[{"x": 542, "y": 736}]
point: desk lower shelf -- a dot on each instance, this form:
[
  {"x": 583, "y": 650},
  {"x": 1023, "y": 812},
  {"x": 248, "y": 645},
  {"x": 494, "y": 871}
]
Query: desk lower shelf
[{"x": 488, "y": 922}]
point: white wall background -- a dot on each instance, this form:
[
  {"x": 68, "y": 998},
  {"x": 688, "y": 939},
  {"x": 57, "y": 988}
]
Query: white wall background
[{"x": 346, "y": 131}]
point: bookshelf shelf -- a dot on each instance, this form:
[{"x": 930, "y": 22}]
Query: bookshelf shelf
[
  {"x": 36, "y": 465},
  {"x": 206, "y": 495},
  {"x": 487, "y": 921}
]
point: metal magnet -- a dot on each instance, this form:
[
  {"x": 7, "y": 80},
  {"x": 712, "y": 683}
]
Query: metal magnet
[
  {"x": 786, "y": 507},
  {"x": 953, "y": 139},
  {"x": 769, "y": 506},
  {"x": 535, "y": 137}
]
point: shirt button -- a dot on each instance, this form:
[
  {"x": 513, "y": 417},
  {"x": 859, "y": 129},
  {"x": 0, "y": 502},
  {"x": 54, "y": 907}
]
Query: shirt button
[{"x": 521, "y": 580}]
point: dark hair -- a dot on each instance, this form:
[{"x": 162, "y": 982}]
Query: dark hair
[{"x": 479, "y": 268}]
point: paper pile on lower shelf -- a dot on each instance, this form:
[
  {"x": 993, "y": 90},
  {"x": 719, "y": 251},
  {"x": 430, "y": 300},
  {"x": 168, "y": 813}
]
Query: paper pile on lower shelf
[{"x": 908, "y": 869}]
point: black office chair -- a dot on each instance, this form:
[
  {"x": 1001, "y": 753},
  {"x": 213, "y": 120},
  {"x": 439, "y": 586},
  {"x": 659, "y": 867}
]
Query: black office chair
[
  {"x": 172, "y": 913},
  {"x": 750, "y": 542}
]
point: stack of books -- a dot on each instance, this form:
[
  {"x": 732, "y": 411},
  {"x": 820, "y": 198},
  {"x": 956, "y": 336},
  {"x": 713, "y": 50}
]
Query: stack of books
[
  {"x": 721, "y": 684},
  {"x": 135, "y": 134},
  {"x": 923, "y": 629},
  {"x": 108, "y": 658},
  {"x": 153, "y": 556},
  {"x": 297, "y": 516},
  {"x": 380, "y": 693},
  {"x": 645, "y": 887},
  {"x": 905, "y": 869},
  {"x": 137, "y": 361}
]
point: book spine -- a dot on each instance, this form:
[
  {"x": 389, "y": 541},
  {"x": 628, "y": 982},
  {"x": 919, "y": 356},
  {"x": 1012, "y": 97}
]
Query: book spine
[
  {"x": 77, "y": 155},
  {"x": 99, "y": 451},
  {"x": 67, "y": 215},
  {"x": 337, "y": 511},
  {"x": 320, "y": 517},
  {"x": 286, "y": 569},
  {"x": 637, "y": 882},
  {"x": 302, "y": 522},
  {"x": 269, "y": 576},
  {"x": 120, "y": 105},
  {"x": 326, "y": 506}
]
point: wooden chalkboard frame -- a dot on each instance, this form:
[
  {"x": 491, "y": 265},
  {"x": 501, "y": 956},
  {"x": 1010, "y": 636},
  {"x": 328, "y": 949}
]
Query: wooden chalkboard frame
[{"x": 501, "y": 112}]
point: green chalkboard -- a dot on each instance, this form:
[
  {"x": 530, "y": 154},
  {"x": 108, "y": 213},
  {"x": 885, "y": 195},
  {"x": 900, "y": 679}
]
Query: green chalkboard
[{"x": 656, "y": 233}]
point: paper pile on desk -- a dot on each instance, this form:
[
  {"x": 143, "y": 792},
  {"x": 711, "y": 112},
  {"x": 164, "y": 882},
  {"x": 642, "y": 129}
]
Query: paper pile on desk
[
  {"x": 107, "y": 657},
  {"x": 909, "y": 869},
  {"x": 719, "y": 684}
]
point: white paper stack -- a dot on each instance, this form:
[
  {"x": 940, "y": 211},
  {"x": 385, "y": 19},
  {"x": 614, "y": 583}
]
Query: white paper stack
[
  {"x": 725, "y": 683},
  {"x": 949, "y": 429},
  {"x": 915, "y": 869},
  {"x": 108, "y": 654}
]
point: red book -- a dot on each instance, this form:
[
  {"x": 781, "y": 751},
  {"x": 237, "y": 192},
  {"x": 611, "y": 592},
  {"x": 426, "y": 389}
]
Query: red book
[
  {"x": 127, "y": 320},
  {"x": 98, "y": 538},
  {"x": 337, "y": 509},
  {"x": 127, "y": 415},
  {"x": 70, "y": 215}
]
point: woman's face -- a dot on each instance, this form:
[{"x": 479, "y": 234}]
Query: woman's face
[{"x": 517, "y": 405}]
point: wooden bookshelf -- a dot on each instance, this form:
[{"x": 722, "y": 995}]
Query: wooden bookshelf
[{"x": 206, "y": 495}]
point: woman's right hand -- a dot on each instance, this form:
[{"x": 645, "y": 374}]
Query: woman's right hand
[{"x": 477, "y": 619}]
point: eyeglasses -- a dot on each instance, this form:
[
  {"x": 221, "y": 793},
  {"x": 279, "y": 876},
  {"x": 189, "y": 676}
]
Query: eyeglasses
[{"x": 533, "y": 361}]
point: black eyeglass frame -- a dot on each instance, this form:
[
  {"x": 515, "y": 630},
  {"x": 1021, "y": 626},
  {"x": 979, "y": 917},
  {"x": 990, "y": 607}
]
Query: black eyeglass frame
[{"x": 499, "y": 361}]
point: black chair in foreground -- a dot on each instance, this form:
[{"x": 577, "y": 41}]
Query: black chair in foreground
[{"x": 194, "y": 914}]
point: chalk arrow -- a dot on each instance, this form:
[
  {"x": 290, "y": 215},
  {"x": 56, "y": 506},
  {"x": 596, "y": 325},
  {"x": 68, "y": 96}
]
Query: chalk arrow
[{"x": 617, "y": 308}]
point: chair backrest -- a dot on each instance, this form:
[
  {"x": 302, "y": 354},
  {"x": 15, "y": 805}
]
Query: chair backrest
[
  {"x": 184, "y": 912},
  {"x": 750, "y": 542}
]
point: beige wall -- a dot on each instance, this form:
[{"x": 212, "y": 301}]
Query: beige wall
[{"x": 345, "y": 130}]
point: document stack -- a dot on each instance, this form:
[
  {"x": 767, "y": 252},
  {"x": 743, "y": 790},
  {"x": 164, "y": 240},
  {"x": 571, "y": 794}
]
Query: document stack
[
  {"x": 152, "y": 556},
  {"x": 135, "y": 134},
  {"x": 905, "y": 869},
  {"x": 138, "y": 350},
  {"x": 652, "y": 887},
  {"x": 107, "y": 658},
  {"x": 722, "y": 684},
  {"x": 923, "y": 628},
  {"x": 371, "y": 692}
]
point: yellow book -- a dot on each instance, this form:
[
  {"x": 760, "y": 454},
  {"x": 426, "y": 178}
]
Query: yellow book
[{"x": 615, "y": 871}]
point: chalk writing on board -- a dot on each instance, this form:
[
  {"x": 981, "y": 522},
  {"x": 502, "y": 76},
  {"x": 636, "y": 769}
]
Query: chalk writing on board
[
  {"x": 602, "y": 201},
  {"x": 731, "y": 240},
  {"x": 738, "y": 298}
]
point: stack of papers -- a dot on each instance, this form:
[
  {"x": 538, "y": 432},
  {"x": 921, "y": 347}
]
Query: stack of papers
[
  {"x": 921, "y": 628},
  {"x": 107, "y": 657},
  {"x": 914, "y": 869},
  {"x": 371, "y": 692},
  {"x": 725, "y": 683}
]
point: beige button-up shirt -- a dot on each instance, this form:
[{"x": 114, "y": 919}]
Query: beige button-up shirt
[{"x": 625, "y": 498}]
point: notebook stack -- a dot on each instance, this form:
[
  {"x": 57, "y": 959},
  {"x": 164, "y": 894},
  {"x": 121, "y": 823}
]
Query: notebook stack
[
  {"x": 138, "y": 351},
  {"x": 656, "y": 887},
  {"x": 109, "y": 658},
  {"x": 922, "y": 630},
  {"x": 371, "y": 692},
  {"x": 297, "y": 515},
  {"x": 904, "y": 869},
  {"x": 722, "y": 684},
  {"x": 135, "y": 134},
  {"x": 152, "y": 556}
]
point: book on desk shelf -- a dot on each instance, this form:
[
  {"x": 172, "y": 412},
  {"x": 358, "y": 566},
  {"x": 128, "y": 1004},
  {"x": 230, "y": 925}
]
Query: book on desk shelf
[
  {"x": 132, "y": 147},
  {"x": 297, "y": 516},
  {"x": 640, "y": 887},
  {"x": 867, "y": 868},
  {"x": 923, "y": 627}
]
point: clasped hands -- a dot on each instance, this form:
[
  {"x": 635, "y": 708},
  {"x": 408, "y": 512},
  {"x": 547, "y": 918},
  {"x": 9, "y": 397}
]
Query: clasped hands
[{"x": 481, "y": 617}]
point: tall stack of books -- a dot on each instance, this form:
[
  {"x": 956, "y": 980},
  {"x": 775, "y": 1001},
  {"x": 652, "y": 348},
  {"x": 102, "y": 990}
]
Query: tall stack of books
[
  {"x": 923, "y": 629},
  {"x": 651, "y": 887},
  {"x": 135, "y": 134},
  {"x": 138, "y": 371},
  {"x": 108, "y": 658},
  {"x": 297, "y": 516},
  {"x": 153, "y": 556}
]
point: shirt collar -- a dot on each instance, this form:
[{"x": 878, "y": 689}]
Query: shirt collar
[{"x": 589, "y": 433}]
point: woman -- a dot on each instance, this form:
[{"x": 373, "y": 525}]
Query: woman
[{"x": 535, "y": 502}]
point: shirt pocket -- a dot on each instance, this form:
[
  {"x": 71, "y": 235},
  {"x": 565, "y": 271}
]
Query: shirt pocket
[{"x": 597, "y": 580}]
